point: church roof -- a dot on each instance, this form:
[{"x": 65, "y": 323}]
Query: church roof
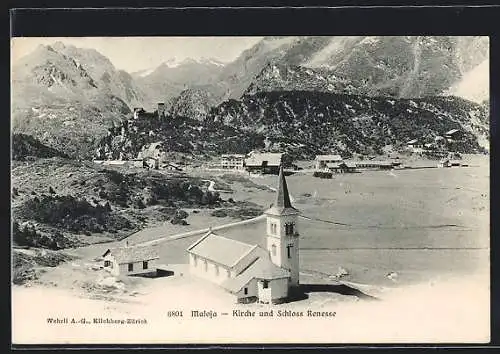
[
  {"x": 261, "y": 268},
  {"x": 219, "y": 249},
  {"x": 282, "y": 204}
]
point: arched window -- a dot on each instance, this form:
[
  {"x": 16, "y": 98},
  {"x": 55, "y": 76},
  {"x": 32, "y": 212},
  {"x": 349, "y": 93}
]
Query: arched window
[
  {"x": 289, "y": 229},
  {"x": 273, "y": 250}
]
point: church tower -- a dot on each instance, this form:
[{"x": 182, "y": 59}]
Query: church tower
[{"x": 282, "y": 232}]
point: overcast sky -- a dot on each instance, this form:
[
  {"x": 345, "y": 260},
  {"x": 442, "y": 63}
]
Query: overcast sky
[{"x": 139, "y": 53}]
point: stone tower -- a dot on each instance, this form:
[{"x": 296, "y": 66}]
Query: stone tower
[{"x": 282, "y": 232}]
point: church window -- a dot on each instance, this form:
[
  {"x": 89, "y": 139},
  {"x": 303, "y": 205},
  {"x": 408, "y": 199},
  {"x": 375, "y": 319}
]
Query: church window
[
  {"x": 289, "y": 229},
  {"x": 273, "y": 250},
  {"x": 288, "y": 249},
  {"x": 245, "y": 291},
  {"x": 265, "y": 284},
  {"x": 273, "y": 229}
]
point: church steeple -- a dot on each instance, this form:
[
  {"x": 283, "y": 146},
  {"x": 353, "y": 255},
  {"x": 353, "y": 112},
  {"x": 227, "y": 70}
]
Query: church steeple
[
  {"x": 282, "y": 205},
  {"x": 282, "y": 231}
]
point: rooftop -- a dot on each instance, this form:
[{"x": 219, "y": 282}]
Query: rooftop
[
  {"x": 132, "y": 254},
  {"x": 273, "y": 159},
  {"x": 328, "y": 158},
  {"x": 220, "y": 249},
  {"x": 261, "y": 268}
]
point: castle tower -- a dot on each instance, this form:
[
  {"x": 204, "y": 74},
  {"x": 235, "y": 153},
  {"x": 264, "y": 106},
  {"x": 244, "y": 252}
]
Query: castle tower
[
  {"x": 282, "y": 232},
  {"x": 161, "y": 110}
]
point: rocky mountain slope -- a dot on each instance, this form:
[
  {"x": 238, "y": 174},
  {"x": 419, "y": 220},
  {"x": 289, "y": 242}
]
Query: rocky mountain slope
[
  {"x": 304, "y": 123},
  {"x": 193, "y": 103},
  {"x": 400, "y": 67},
  {"x": 24, "y": 146},
  {"x": 67, "y": 96},
  {"x": 171, "y": 78},
  {"x": 324, "y": 122}
]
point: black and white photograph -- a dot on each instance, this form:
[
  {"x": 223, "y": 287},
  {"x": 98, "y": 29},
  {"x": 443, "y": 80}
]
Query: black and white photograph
[{"x": 250, "y": 189}]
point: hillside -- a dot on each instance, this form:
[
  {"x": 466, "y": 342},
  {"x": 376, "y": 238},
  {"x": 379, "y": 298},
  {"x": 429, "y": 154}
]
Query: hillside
[
  {"x": 193, "y": 103},
  {"x": 401, "y": 67},
  {"x": 176, "y": 134},
  {"x": 24, "y": 145},
  {"x": 304, "y": 123},
  {"x": 67, "y": 96},
  {"x": 59, "y": 203},
  {"x": 346, "y": 124}
]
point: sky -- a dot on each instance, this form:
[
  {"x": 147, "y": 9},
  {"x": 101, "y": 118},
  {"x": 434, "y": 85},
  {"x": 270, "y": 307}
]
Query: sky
[{"x": 140, "y": 53}]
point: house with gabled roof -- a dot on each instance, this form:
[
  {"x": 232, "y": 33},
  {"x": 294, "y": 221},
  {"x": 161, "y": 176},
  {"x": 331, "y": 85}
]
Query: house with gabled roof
[
  {"x": 322, "y": 160},
  {"x": 250, "y": 271},
  {"x": 130, "y": 260},
  {"x": 266, "y": 162}
]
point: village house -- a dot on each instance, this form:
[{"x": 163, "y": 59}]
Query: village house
[
  {"x": 264, "y": 162},
  {"x": 322, "y": 160},
  {"x": 232, "y": 161},
  {"x": 130, "y": 260},
  {"x": 453, "y": 135},
  {"x": 343, "y": 167},
  {"x": 249, "y": 271},
  {"x": 414, "y": 143}
]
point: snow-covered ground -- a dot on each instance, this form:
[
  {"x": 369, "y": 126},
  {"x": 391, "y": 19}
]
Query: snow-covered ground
[{"x": 447, "y": 310}]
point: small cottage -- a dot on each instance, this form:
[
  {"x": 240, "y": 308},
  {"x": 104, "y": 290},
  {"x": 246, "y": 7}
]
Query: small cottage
[
  {"x": 130, "y": 260},
  {"x": 453, "y": 134}
]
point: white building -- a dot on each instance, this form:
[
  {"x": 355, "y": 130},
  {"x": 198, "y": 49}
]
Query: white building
[
  {"x": 233, "y": 161},
  {"x": 322, "y": 160},
  {"x": 130, "y": 260},
  {"x": 252, "y": 272}
]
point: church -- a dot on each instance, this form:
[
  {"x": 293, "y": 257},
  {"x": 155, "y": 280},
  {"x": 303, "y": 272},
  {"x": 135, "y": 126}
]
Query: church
[{"x": 250, "y": 271}]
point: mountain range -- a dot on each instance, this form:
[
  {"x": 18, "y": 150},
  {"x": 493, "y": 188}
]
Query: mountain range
[{"x": 68, "y": 97}]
